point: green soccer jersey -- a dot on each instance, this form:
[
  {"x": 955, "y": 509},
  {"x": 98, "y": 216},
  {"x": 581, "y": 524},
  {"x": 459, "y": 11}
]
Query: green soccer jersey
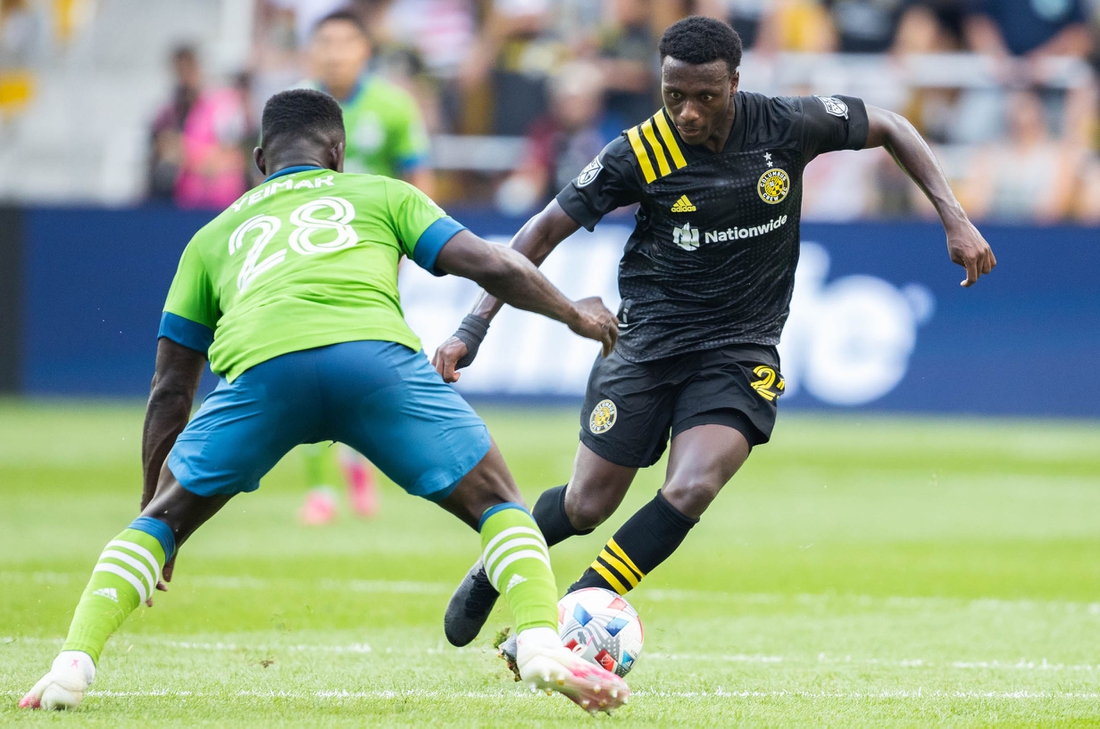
[
  {"x": 306, "y": 259},
  {"x": 385, "y": 133}
]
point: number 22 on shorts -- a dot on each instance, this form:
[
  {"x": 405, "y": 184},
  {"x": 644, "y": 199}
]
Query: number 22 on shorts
[{"x": 770, "y": 385}]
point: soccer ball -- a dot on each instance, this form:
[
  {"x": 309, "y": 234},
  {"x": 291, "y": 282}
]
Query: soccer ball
[{"x": 601, "y": 627}]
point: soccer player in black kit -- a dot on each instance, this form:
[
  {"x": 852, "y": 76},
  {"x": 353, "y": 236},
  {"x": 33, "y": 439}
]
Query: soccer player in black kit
[{"x": 706, "y": 281}]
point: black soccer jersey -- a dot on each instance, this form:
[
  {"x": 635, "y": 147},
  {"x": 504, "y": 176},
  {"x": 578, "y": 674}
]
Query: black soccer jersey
[{"x": 712, "y": 257}]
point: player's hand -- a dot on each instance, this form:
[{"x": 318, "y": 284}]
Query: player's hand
[
  {"x": 445, "y": 360},
  {"x": 969, "y": 249},
  {"x": 594, "y": 321},
  {"x": 165, "y": 578}
]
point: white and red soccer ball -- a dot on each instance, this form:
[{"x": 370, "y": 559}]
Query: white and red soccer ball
[{"x": 601, "y": 627}]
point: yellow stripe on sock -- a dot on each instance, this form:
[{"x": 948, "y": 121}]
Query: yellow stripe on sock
[
  {"x": 618, "y": 551},
  {"x": 641, "y": 154},
  {"x": 670, "y": 140},
  {"x": 606, "y": 574},
  {"x": 658, "y": 150},
  {"x": 620, "y": 568}
]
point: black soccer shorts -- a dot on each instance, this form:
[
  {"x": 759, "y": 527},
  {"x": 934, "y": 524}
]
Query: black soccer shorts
[{"x": 632, "y": 408}]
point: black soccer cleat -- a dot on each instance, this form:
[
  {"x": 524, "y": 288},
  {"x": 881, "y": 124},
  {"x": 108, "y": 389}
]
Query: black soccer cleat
[{"x": 469, "y": 607}]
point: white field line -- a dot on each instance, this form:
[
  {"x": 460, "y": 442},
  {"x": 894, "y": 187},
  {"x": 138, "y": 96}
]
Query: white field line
[
  {"x": 340, "y": 695},
  {"x": 823, "y": 659},
  {"x": 221, "y": 582},
  {"x": 656, "y": 594}
]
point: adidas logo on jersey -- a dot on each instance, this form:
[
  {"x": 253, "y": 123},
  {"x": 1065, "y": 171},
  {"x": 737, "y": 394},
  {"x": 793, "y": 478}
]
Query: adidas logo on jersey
[
  {"x": 108, "y": 592},
  {"x": 683, "y": 205}
]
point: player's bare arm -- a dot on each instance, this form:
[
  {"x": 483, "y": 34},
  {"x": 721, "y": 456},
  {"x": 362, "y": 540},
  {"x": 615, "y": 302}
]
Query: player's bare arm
[
  {"x": 965, "y": 244},
  {"x": 175, "y": 382},
  {"x": 535, "y": 241},
  {"x": 178, "y": 371},
  {"x": 511, "y": 278}
]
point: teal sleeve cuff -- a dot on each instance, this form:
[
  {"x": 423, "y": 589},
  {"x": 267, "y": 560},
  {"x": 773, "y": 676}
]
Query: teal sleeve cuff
[
  {"x": 432, "y": 241},
  {"x": 185, "y": 332}
]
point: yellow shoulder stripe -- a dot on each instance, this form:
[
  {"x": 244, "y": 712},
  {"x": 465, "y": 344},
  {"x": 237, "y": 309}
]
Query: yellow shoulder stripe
[
  {"x": 658, "y": 150},
  {"x": 670, "y": 140},
  {"x": 663, "y": 148},
  {"x": 641, "y": 153}
]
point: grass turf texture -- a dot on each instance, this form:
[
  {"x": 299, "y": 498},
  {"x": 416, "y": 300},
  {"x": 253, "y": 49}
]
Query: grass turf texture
[{"x": 858, "y": 571}]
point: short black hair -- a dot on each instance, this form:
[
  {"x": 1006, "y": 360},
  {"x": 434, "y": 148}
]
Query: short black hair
[
  {"x": 185, "y": 52},
  {"x": 344, "y": 15},
  {"x": 698, "y": 40},
  {"x": 302, "y": 113}
]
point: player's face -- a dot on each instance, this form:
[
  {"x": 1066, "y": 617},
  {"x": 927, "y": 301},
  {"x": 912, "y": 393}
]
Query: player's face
[
  {"x": 338, "y": 54},
  {"x": 698, "y": 98}
]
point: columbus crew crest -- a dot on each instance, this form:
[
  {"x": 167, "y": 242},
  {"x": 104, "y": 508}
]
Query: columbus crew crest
[
  {"x": 603, "y": 417},
  {"x": 773, "y": 186}
]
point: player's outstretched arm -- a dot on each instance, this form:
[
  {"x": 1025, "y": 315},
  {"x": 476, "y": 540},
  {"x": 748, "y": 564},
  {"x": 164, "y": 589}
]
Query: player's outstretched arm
[
  {"x": 965, "y": 244},
  {"x": 512, "y": 279},
  {"x": 175, "y": 383},
  {"x": 535, "y": 240}
]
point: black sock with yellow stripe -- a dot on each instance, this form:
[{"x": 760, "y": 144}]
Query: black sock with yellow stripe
[
  {"x": 549, "y": 513},
  {"x": 646, "y": 540}
]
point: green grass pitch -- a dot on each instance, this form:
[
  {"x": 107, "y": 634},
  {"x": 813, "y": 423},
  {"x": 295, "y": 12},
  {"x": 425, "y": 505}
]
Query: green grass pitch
[{"x": 858, "y": 571}]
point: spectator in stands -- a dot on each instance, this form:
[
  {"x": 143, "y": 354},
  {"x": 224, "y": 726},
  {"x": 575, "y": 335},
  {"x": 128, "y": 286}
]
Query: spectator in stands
[
  {"x": 441, "y": 32},
  {"x": 1003, "y": 28},
  {"x": 866, "y": 26},
  {"x": 750, "y": 18},
  {"x": 517, "y": 52},
  {"x": 1029, "y": 177},
  {"x": 628, "y": 64},
  {"x": 385, "y": 130},
  {"x": 197, "y": 157},
  {"x": 802, "y": 26},
  {"x": 561, "y": 143}
]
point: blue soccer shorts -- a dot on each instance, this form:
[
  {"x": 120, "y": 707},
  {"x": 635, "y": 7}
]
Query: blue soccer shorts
[{"x": 381, "y": 398}]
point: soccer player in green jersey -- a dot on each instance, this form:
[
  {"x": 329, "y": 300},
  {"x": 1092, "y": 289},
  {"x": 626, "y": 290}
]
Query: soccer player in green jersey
[
  {"x": 385, "y": 136},
  {"x": 385, "y": 131},
  {"x": 291, "y": 294}
]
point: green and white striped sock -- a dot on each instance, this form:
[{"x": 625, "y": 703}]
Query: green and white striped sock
[
  {"x": 518, "y": 564},
  {"x": 125, "y": 576}
]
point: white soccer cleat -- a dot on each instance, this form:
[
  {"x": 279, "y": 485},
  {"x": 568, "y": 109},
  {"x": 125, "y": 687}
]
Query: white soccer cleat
[
  {"x": 64, "y": 686},
  {"x": 545, "y": 665}
]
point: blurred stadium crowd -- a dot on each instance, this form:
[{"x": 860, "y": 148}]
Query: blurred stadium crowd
[{"x": 509, "y": 99}]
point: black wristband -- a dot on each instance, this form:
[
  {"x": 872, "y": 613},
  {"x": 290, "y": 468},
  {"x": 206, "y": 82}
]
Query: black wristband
[{"x": 471, "y": 332}]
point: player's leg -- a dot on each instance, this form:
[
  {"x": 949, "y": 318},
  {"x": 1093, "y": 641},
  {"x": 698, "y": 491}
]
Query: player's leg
[
  {"x": 236, "y": 437},
  {"x": 702, "y": 460},
  {"x": 361, "y": 483},
  {"x": 319, "y": 505},
  {"x": 126, "y": 575},
  {"x": 726, "y": 406},
  {"x": 393, "y": 407},
  {"x": 624, "y": 426}
]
